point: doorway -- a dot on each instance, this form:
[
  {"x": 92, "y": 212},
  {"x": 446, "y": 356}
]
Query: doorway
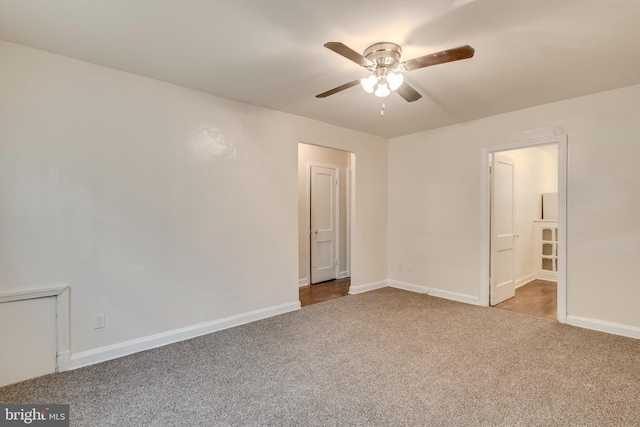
[
  {"x": 522, "y": 251},
  {"x": 325, "y": 199}
]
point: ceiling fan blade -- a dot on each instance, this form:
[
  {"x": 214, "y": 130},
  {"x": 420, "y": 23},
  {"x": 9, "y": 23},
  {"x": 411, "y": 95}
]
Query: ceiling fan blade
[
  {"x": 408, "y": 93},
  {"x": 338, "y": 89},
  {"x": 348, "y": 53},
  {"x": 455, "y": 54}
]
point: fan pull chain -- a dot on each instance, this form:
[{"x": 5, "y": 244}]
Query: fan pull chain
[{"x": 382, "y": 110}]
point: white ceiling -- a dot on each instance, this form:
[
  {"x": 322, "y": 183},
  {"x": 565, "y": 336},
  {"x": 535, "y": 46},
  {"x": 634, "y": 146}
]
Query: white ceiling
[{"x": 271, "y": 54}]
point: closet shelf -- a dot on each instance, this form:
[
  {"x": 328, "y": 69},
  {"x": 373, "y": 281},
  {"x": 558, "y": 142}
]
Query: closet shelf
[{"x": 546, "y": 249}]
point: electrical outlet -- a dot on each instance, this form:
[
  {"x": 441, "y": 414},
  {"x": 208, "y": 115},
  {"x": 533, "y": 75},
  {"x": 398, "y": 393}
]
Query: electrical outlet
[
  {"x": 98, "y": 321},
  {"x": 409, "y": 269},
  {"x": 400, "y": 268}
]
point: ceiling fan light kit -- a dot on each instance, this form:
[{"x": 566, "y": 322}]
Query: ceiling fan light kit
[
  {"x": 380, "y": 84},
  {"x": 383, "y": 61},
  {"x": 385, "y": 77}
]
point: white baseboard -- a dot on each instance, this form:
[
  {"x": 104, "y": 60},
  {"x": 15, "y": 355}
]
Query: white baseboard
[
  {"x": 454, "y": 296},
  {"x": 303, "y": 282},
  {"x": 343, "y": 275},
  {"x": 524, "y": 280},
  {"x": 550, "y": 277},
  {"x": 408, "y": 287},
  {"x": 604, "y": 326},
  {"x": 103, "y": 354},
  {"x": 439, "y": 293},
  {"x": 353, "y": 290}
]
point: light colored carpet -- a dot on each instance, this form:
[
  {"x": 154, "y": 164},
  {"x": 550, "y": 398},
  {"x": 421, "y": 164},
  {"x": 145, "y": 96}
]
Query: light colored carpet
[{"x": 384, "y": 358}]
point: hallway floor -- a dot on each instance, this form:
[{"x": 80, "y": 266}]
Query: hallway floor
[
  {"x": 325, "y": 291},
  {"x": 536, "y": 298}
]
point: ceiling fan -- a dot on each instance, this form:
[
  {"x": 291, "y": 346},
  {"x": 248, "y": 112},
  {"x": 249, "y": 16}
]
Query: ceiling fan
[{"x": 383, "y": 60}]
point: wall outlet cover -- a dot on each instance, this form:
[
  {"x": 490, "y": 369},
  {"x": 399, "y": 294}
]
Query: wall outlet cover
[{"x": 98, "y": 321}]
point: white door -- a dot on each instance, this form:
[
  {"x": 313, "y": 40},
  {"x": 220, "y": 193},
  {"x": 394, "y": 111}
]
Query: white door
[
  {"x": 324, "y": 223},
  {"x": 503, "y": 285}
]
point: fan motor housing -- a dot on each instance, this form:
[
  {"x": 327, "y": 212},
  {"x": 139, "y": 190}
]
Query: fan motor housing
[{"x": 383, "y": 54}]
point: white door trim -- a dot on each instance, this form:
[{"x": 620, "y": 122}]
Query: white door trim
[
  {"x": 561, "y": 141},
  {"x": 336, "y": 213},
  {"x": 353, "y": 273},
  {"x": 348, "y": 222}
]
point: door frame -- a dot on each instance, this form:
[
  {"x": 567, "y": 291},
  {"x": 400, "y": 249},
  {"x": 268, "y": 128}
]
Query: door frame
[
  {"x": 348, "y": 219},
  {"x": 336, "y": 213},
  {"x": 485, "y": 235}
]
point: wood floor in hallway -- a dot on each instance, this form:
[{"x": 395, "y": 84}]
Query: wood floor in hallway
[
  {"x": 325, "y": 291},
  {"x": 536, "y": 298}
]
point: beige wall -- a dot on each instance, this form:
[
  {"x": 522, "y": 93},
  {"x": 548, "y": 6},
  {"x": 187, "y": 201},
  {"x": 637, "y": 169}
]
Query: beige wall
[
  {"x": 434, "y": 200},
  {"x": 161, "y": 207},
  {"x": 164, "y": 207},
  {"x": 312, "y": 153}
]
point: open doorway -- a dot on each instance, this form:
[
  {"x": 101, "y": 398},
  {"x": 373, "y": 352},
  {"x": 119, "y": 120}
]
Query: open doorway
[
  {"x": 524, "y": 198},
  {"x": 324, "y": 212}
]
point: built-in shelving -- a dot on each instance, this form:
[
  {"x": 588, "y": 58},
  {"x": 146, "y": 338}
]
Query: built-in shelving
[{"x": 546, "y": 249}]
